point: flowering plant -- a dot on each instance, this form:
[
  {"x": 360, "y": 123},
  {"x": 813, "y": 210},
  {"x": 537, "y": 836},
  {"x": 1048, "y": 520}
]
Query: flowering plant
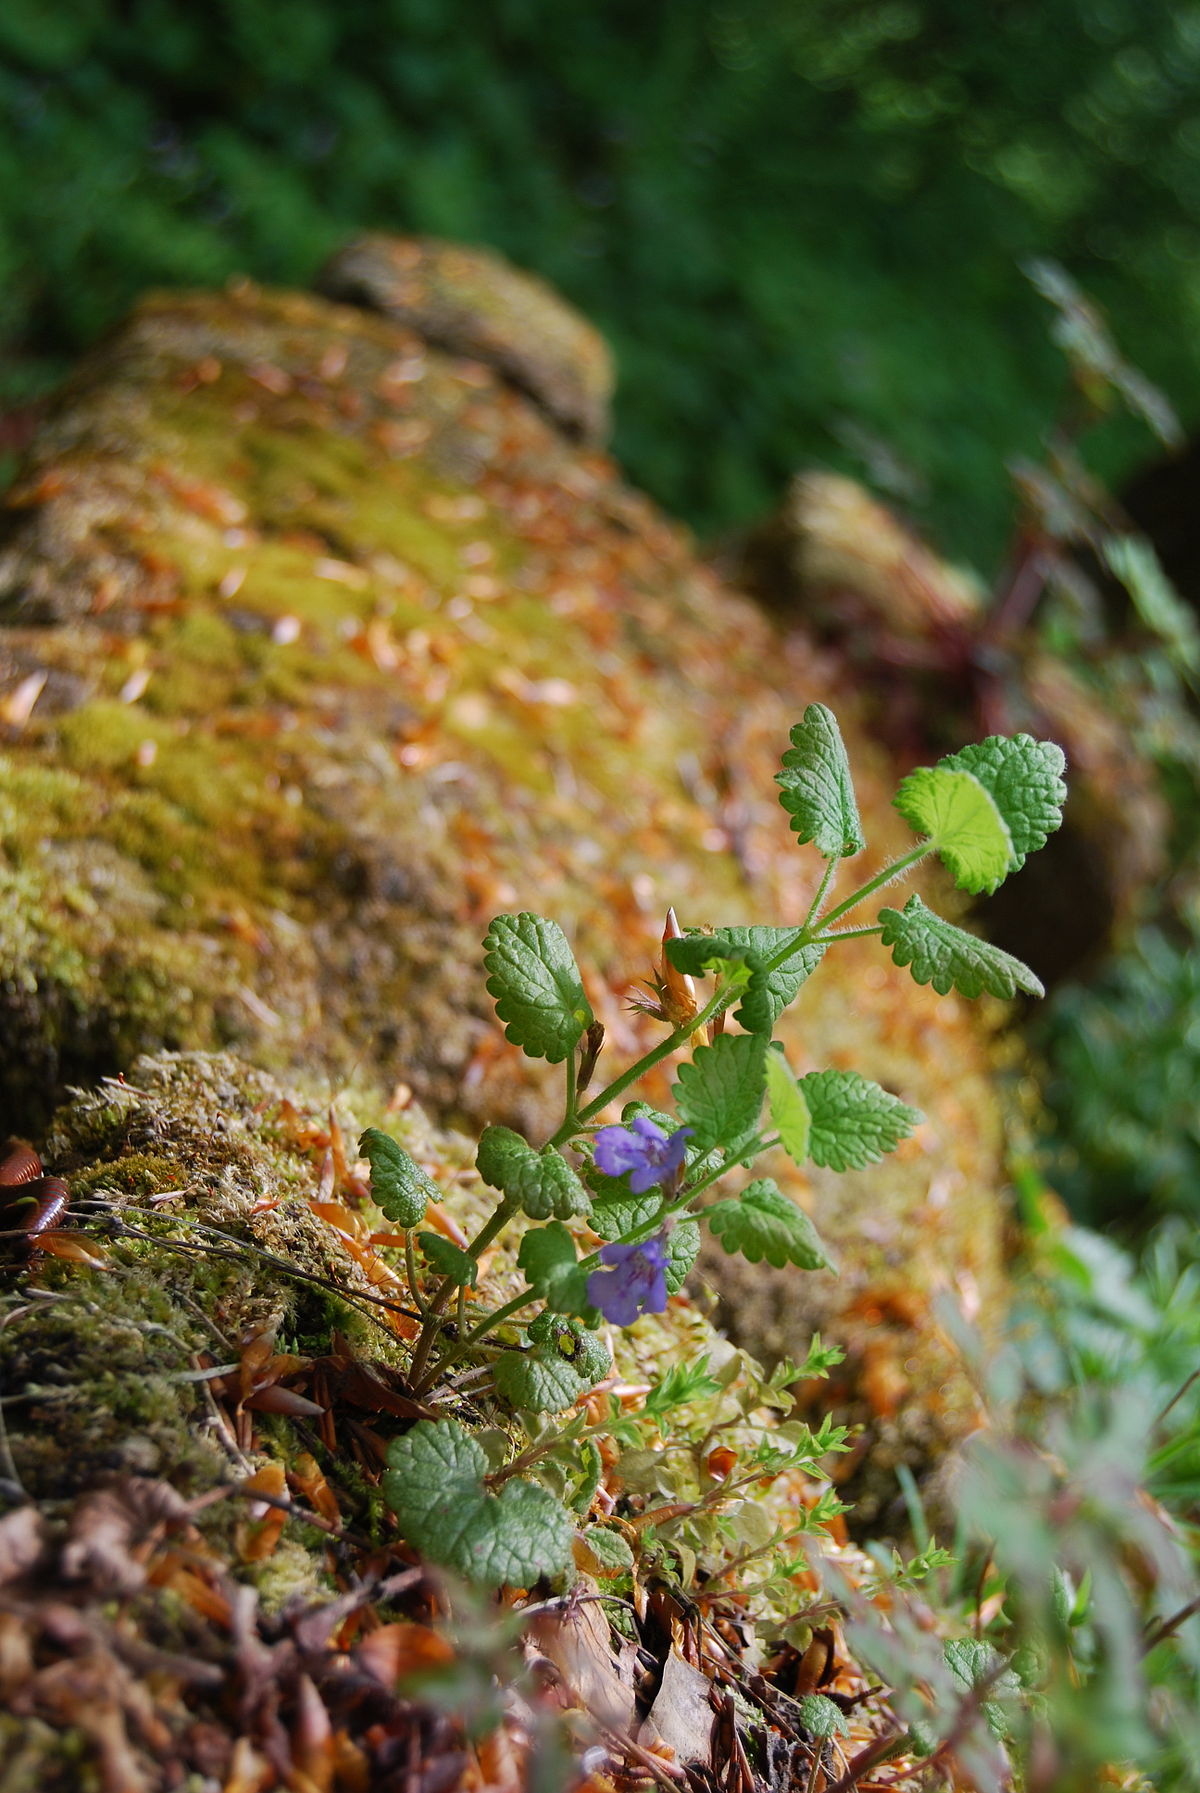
[{"x": 629, "y": 1192}]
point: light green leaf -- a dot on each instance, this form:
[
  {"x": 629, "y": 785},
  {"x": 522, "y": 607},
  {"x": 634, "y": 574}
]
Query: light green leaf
[
  {"x": 398, "y": 1184},
  {"x": 536, "y": 984},
  {"x": 762, "y": 1223},
  {"x": 789, "y": 1110},
  {"x": 610, "y": 1553},
  {"x": 541, "y": 1183},
  {"x": 962, "y": 820},
  {"x": 1025, "y": 780},
  {"x": 720, "y": 1093},
  {"x": 816, "y": 789},
  {"x": 435, "y": 1487},
  {"x": 951, "y": 959},
  {"x": 449, "y": 1259},
  {"x": 552, "y": 1269},
  {"x": 854, "y": 1121}
]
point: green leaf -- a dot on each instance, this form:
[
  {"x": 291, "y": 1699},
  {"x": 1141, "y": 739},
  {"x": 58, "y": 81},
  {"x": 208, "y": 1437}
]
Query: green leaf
[
  {"x": 974, "y": 1664},
  {"x": 769, "y": 992},
  {"x": 615, "y": 1215},
  {"x": 552, "y": 1269},
  {"x": 540, "y": 1183},
  {"x": 762, "y": 1223},
  {"x": 538, "y": 1381},
  {"x": 435, "y": 1487},
  {"x": 962, "y": 820},
  {"x": 610, "y": 1553},
  {"x": 854, "y": 1121},
  {"x": 536, "y": 985},
  {"x": 789, "y": 1110},
  {"x": 951, "y": 959},
  {"x": 398, "y": 1184},
  {"x": 683, "y": 1248},
  {"x": 720, "y": 1093},
  {"x": 1024, "y": 778},
  {"x": 821, "y": 1717},
  {"x": 816, "y": 789},
  {"x": 449, "y": 1259}
]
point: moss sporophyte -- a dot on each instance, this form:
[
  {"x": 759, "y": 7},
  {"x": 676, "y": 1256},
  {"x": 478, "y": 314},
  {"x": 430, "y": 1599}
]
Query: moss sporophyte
[{"x": 614, "y": 1209}]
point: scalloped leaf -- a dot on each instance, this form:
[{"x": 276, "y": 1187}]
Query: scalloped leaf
[
  {"x": 1025, "y": 780},
  {"x": 538, "y": 1381},
  {"x": 541, "y": 1183},
  {"x": 552, "y": 1269},
  {"x": 763, "y": 1223},
  {"x": 719, "y": 1094},
  {"x": 399, "y": 1187},
  {"x": 448, "y": 1259},
  {"x": 854, "y": 1121},
  {"x": 816, "y": 789},
  {"x": 683, "y": 1248},
  {"x": 536, "y": 985},
  {"x": 435, "y": 1486},
  {"x": 963, "y": 821},
  {"x": 947, "y": 957},
  {"x": 767, "y": 992}
]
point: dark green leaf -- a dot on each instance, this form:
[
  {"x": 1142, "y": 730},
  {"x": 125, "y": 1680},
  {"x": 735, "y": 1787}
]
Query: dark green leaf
[
  {"x": 950, "y": 959},
  {"x": 816, "y": 789},
  {"x": 540, "y": 1183},
  {"x": 762, "y": 1223},
  {"x": 398, "y": 1184},
  {"x": 435, "y": 1487},
  {"x": 854, "y": 1121},
  {"x": 449, "y": 1260},
  {"x": 536, "y": 985},
  {"x": 720, "y": 1093},
  {"x": 552, "y": 1269}
]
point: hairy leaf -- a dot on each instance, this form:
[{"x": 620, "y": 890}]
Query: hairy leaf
[
  {"x": 951, "y": 959},
  {"x": 538, "y": 1381},
  {"x": 398, "y": 1184},
  {"x": 435, "y": 1487},
  {"x": 720, "y": 1093},
  {"x": 854, "y": 1121},
  {"x": 448, "y": 1259},
  {"x": 683, "y": 1248},
  {"x": 816, "y": 789},
  {"x": 964, "y": 823},
  {"x": 541, "y": 1183},
  {"x": 1025, "y": 780},
  {"x": 536, "y": 985},
  {"x": 763, "y": 1223}
]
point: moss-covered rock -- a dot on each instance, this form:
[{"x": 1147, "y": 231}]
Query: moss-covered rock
[{"x": 319, "y": 645}]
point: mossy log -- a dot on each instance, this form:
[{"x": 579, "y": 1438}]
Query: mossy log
[{"x": 319, "y": 645}]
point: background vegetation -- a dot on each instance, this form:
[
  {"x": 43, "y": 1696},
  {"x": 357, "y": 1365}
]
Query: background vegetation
[{"x": 800, "y": 221}]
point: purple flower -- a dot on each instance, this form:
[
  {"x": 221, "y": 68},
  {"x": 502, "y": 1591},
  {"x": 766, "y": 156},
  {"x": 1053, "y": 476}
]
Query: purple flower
[
  {"x": 635, "y": 1282},
  {"x": 643, "y": 1149}
]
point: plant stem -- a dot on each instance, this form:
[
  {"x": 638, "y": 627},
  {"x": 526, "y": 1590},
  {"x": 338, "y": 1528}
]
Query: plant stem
[
  {"x": 847, "y": 934},
  {"x": 572, "y": 1076},
  {"x": 720, "y": 1000},
  {"x": 822, "y": 892},
  {"x": 888, "y": 875},
  {"x": 417, "y": 1369}
]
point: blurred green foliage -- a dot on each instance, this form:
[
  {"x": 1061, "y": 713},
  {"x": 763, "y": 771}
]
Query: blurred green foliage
[
  {"x": 798, "y": 220},
  {"x": 1124, "y": 1086}
]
